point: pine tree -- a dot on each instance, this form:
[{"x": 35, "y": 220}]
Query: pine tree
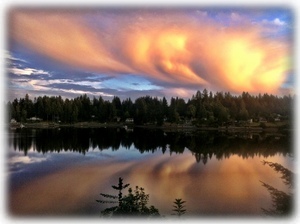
[
  {"x": 133, "y": 204},
  {"x": 179, "y": 207}
]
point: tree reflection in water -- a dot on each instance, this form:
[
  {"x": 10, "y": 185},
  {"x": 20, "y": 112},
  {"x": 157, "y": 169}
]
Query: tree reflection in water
[
  {"x": 282, "y": 202},
  {"x": 202, "y": 144}
]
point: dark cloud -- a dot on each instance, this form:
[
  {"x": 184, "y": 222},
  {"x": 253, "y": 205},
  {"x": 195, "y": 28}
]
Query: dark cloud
[
  {"x": 70, "y": 86},
  {"x": 135, "y": 84}
]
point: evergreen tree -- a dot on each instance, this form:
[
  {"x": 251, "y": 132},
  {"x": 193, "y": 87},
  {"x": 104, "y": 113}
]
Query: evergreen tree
[
  {"x": 179, "y": 207},
  {"x": 140, "y": 116},
  {"x": 220, "y": 112},
  {"x": 164, "y": 107},
  {"x": 116, "y": 102},
  {"x": 133, "y": 204}
]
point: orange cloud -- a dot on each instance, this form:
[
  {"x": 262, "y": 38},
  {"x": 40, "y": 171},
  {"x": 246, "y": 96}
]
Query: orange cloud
[
  {"x": 63, "y": 37},
  {"x": 172, "y": 49}
]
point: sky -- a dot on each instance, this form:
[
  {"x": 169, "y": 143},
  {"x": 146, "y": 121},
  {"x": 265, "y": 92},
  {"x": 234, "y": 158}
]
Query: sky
[{"x": 156, "y": 51}]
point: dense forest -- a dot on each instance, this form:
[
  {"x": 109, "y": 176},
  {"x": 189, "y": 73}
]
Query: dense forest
[{"x": 202, "y": 108}]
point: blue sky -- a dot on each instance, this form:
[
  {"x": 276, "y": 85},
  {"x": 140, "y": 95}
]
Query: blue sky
[{"x": 135, "y": 52}]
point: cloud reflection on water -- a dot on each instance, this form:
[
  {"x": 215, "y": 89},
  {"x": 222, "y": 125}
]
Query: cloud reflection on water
[{"x": 221, "y": 187}]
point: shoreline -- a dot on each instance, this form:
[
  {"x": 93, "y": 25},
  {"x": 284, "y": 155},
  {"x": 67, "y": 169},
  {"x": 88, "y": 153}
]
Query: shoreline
[{"x": 166, "y": 127}]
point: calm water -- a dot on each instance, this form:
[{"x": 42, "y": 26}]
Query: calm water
[{"x": 62, "y": 171}]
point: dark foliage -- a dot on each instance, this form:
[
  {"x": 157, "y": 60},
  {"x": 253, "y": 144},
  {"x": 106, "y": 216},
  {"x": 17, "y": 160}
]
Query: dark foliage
[
  {"x": 286, "y": 174},
  {"x": 202, "y": 109},
  {"x": 282, "y": 202},
  {"x": 134, "y": 204},
  {"x": 179, "y": 207}
]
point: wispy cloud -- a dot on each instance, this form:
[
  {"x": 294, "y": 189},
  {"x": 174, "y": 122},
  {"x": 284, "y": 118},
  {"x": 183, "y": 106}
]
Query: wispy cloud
[
  {"x": 169, "y": 48},
  {"x": 275, "y": 21},
  {"x": 27, "y": 71},
  {"x": 10, "y": 58}
]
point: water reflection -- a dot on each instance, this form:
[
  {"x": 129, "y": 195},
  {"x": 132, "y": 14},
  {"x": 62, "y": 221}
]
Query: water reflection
[
  {"x": 202, "y": 144},
  {"x": 225, "y": 180}
]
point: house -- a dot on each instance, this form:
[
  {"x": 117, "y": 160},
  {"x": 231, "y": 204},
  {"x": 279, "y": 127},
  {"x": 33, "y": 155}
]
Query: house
[
  {"x": 117, "y": 119},
  {"x": 13, "y": 121},
  {"x": 129, "y": 120},
  {"x": 262, "y": 120},
  {"x": 35, "y": 119}
]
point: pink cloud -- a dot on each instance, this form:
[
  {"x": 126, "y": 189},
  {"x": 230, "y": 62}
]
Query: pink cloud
[{"x": 170, "y": 48}]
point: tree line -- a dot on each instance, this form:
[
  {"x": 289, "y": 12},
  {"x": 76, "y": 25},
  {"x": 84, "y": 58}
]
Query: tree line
[{"x": 202, "y": 108}]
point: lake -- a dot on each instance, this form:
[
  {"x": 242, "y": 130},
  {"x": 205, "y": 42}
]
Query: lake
[{"x": 62, "y": 171}]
